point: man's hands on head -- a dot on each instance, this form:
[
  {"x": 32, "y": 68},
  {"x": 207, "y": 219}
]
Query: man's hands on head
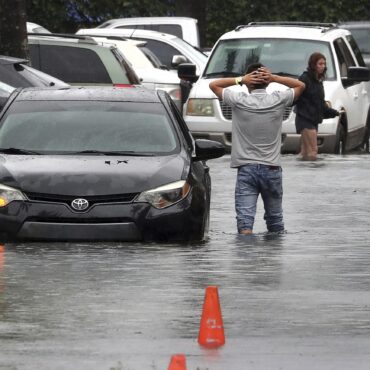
[{"x": 258, "y": 77}]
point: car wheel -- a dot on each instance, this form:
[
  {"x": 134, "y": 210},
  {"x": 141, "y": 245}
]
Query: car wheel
[
  {"x": 340, "y": 145},
  {"x": 365, "y": 143}
]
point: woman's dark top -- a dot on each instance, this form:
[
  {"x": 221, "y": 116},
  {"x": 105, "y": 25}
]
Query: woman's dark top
[{"x": 311, "y": 108}]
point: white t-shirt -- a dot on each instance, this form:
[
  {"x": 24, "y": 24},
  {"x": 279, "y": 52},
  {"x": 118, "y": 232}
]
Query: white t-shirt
[{"x": 256, "y": 125}]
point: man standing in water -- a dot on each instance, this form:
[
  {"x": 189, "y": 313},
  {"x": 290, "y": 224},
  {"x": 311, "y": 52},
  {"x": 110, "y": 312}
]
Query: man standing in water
[{"x": 256, "y": 133}]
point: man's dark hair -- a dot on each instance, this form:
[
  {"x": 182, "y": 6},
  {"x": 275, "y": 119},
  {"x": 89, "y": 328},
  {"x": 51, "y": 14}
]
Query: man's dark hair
[{"x": 254, "y": 67}]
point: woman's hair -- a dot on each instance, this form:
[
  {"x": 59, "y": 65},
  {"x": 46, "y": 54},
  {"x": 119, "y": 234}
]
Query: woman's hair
[{"x": 312, "y": 61}]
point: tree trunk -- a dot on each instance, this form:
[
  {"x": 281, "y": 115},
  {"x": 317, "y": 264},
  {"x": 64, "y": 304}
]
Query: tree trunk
[
  {"x": 194, "y": 9},
  {"x": 13, "y": 30}
]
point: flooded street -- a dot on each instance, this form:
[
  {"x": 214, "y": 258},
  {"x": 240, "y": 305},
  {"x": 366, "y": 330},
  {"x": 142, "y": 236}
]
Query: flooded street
[{"x": 296, "y": 301}]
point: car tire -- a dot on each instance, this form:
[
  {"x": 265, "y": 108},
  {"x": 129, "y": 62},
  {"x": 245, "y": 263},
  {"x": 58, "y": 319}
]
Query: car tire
[
  {"x": 365, "y": 143},
  {"x": 340, "y": 144}
]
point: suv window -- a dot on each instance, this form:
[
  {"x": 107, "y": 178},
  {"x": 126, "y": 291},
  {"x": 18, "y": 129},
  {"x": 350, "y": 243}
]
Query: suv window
[
  {"x": 70, "y": 64},
  {"x": 162, "y": 50},
  {"x": 172, "y": 29},
  {"x": 356, "y": 50},
  {"x": 284, "y": 56},
  {"x": 345, "y": 59}
]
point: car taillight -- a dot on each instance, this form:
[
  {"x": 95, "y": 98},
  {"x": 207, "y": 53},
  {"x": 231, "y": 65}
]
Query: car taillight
[{"x": 123, "y": 85}]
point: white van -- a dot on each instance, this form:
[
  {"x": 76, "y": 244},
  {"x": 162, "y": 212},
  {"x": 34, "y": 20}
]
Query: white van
[
  {"x": 284, "y": 47},
  {"x": 170, "y": 49},
  {"x": 183, "y": 27}
]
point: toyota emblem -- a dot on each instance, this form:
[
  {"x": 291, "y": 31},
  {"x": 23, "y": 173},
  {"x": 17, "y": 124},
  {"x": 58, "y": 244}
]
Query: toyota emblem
[{"x": 80, "y": 204}]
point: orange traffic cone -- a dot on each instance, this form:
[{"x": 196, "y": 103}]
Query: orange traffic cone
[
  {"x": 178, "y": 362},
  {"x": 211, "y": 333}
]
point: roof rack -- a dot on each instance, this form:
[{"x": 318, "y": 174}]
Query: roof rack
[
  {"x": 324, "y": 26},
  {"x": 65, "y": 35}
]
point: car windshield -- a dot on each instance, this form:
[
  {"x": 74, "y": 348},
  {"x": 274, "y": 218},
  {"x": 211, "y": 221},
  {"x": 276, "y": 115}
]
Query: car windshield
[
  {"x": 281, "y": 56},
  {"x": 362, "y": 37},
  {"x": 67, "y": 127},
  {"x": 197, "y": 55}
]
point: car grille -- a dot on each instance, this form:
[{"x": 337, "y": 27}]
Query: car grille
[
  {"x": 227, "y": 112},
  {"x": 67, "y": 199}
]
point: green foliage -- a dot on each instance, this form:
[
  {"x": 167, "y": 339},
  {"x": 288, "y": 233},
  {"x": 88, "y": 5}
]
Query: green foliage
[{"x": 222, "y": 16}]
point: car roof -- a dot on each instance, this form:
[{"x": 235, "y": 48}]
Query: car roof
[
  {"x": 78, "y": 93},
  {"x": 355, "y": 24},
  {"x": 289, "y": 30},
  {"x": 4, "y": 59},
  {"x": 126, "y": 32}
]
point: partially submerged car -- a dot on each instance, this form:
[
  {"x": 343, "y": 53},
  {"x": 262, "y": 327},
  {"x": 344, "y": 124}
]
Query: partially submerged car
[{"x": 101, "y": 164}]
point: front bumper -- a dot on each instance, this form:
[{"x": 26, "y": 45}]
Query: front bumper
[{"x": 47, "y": 221}]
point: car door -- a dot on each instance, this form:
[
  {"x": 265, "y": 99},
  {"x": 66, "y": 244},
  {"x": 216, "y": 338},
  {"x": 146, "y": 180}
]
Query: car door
[{"x": 353, "y": 96}]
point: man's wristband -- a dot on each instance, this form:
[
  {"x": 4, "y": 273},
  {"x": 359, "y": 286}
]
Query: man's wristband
[{"x": 239, "y": 81}]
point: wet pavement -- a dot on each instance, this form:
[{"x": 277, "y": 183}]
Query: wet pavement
[{"x": 296, "y": 301}]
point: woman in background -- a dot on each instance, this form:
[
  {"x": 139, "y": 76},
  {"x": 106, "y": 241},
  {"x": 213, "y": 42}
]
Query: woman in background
[{"x": 311, "y": 107}]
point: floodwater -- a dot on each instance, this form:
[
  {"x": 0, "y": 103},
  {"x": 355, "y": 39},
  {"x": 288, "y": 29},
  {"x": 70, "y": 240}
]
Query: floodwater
[{"x": 295, "y": 301}]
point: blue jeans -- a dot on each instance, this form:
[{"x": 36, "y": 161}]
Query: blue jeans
[{"x": 255, "y": 179}]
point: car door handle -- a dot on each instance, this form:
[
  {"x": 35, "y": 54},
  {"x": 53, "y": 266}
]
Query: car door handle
[{"x": 355, "y": 96}]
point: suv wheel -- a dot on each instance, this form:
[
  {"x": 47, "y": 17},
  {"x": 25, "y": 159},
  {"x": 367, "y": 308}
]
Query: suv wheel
[{"x": 340, "y": 145}]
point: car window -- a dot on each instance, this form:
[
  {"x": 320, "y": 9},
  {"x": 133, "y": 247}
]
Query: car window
[
  {"x": 60, "y": 127},
  {"x": 172, "y": 29},
  {"x": 70, "y": 64},
  {"x": 356, "y": 50},
  {"x": 162, "y": 50},
  {"x": 362, "y": 37},
  {"x": 285, "y": 56},
  {"x": 10, "y": 74},
  {"x": 345, "y": 58}
]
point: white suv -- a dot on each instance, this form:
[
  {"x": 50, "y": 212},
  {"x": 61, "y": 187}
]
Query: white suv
[{"x": 285, "y": 48}]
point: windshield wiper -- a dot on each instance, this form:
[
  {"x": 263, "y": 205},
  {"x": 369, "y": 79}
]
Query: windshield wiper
[
  {"x": 124, "y": 153},
  {"x": 223, "y": 74},
  {"x": 17, "y": 151}
]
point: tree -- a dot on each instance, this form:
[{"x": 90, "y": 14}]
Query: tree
[
  {"x": 13, "y": 30},
  {"x": 195, "y": 9}
]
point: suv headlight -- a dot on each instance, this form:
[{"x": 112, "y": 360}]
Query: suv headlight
[
  {"x": 165, "y": 195},
  {"x": 200, "y": 107},
  {"x": 8, "y": 194}
]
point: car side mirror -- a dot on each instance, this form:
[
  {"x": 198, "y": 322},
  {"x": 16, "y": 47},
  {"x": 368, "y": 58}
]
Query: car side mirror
[
  {"x": 187, "y": 72},
  {"x": 356, "y": 74},
  {"x": 208, "y": 149},
  {"x": 177, "y": 60}
]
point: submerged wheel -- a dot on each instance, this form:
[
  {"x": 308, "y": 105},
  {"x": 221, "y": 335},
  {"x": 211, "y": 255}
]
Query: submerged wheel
[{"x": 340, "y": 145}]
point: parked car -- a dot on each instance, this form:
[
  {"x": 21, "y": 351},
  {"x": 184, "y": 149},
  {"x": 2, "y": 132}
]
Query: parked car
[
  {"x": 80, "y": 60},
  {"x": 153, "y": 77},
  {"x": 284, "y": 47},
  {"x": 361, "y": 33},
  {"x": 112, "y": 164},
  {"x": 15, "y": 72},
  {"x": 36, "y": 28},
  {"x": 185, "y": 28},
  {"x": 171, "y": 50},
  {"x": 5, "y": 91}
]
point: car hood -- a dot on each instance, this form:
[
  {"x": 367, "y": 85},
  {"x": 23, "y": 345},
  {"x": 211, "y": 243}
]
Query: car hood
[
  {"x": 201, "y": 89},
  {"x": 89, "y": 175},
  {"x": 158, "y": 76}
]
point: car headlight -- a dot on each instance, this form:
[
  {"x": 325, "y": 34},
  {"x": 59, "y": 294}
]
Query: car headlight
[
  {"x": 165, "y": 195},
  {"x": 200, "y": 107},
  {"x": 8, "y": 194}
]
